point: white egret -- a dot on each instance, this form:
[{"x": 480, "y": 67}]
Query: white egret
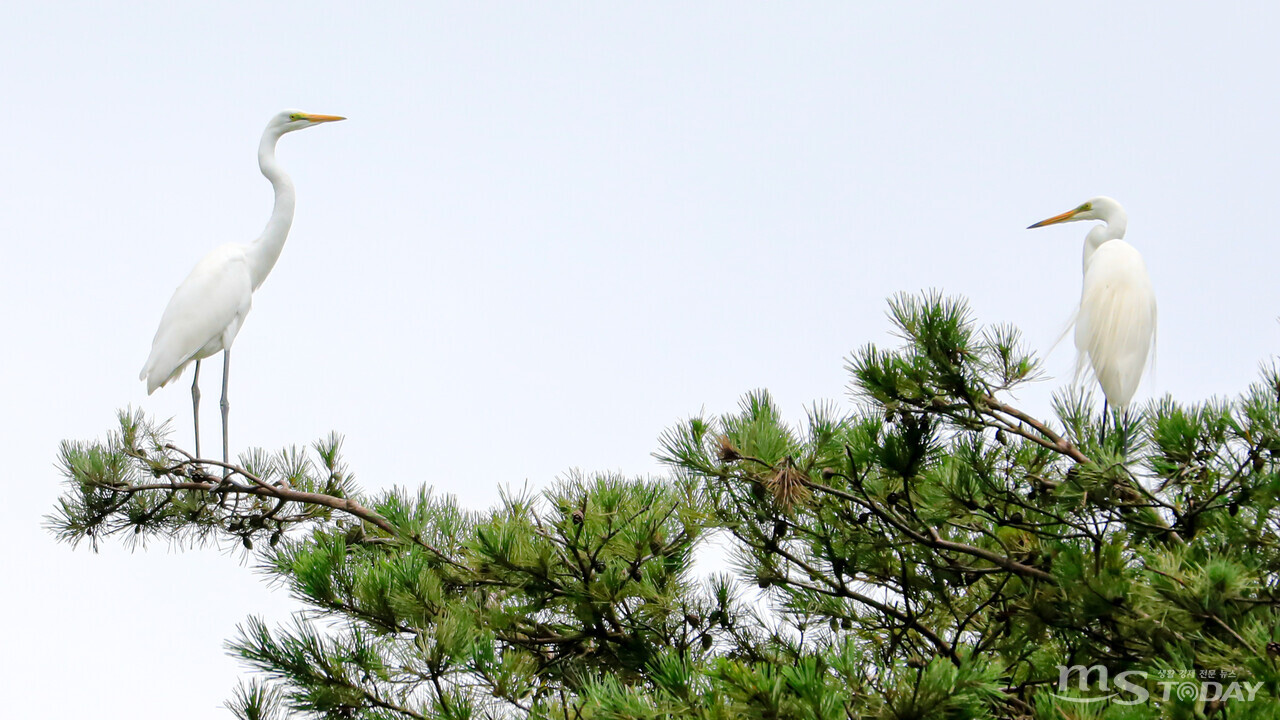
[
  {"x": 1116, "y": 321},
  {"x": 209, "y": 307}
]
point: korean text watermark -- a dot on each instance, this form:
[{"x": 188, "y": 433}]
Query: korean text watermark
[{"x": 1133, "y": 687}]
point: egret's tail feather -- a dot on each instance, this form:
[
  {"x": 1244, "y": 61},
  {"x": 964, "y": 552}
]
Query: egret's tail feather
[{"x": 155, "y": 380}]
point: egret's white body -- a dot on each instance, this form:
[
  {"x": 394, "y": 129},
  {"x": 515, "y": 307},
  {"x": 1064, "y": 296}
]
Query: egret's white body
[
  {"x": 1115, "y": 325},
  {"x": 203, "y": 316},
  {"x": 209, "y": 307}
]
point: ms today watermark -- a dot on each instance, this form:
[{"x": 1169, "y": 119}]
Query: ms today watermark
[{"x": 1130, "y": 687}]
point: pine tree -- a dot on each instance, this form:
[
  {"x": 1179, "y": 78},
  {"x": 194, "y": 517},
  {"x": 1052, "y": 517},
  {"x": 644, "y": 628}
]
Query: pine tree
[{"x": 931, "y": 551}]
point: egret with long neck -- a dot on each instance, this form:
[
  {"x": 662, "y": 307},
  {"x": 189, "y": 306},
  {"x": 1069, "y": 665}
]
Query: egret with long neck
[
  {"x": 209, "y": 307},
  {"x": 1116, "y": 321}
]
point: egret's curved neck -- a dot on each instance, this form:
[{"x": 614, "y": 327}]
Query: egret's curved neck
[
  {"x": 264, "y": 251},
  {"x": 1116, "y": 221}
]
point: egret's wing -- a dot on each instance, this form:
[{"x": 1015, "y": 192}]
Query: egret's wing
[
  {"x": 1116, "y": 323},
  {"x": 203, "y": 315}
]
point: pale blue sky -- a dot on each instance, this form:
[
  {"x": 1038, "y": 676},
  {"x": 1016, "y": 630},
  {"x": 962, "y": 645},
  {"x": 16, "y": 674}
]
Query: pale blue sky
[{"x": 548, "y": 231}]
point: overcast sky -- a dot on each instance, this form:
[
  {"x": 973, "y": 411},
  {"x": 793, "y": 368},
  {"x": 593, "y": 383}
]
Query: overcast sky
[{"x": 549, "y": 231}]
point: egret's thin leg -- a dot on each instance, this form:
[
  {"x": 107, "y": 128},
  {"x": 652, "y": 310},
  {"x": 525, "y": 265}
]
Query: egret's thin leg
[
  {"x": 1102, "y": 434},
  {"x": 195, "y": 405},
  {"x": 226, "y": 406}
]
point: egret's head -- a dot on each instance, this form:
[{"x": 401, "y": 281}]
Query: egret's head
[
  {"x": 1099, "y": 208},
  {"x": 290, "y": 120}
]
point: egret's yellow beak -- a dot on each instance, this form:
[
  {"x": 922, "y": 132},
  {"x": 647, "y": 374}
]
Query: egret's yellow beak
[
  {"x": 1056, "y": 219},
  {"x": 321, "y": 118}
]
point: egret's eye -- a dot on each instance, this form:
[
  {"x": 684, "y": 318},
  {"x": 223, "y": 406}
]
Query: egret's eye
[
  {"x": 1085, "y": 207},
  {"x": 296, "y": 116}
]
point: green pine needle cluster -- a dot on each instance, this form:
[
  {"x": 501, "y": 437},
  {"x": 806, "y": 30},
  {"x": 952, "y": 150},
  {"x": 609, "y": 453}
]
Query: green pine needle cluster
[{"x": 928, "y": 552}]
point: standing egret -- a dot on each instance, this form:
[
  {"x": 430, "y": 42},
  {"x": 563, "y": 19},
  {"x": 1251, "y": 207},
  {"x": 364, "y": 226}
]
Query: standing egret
[
  {"x": 1116, "y": 321},
  {"x": 209, "y": 307}
]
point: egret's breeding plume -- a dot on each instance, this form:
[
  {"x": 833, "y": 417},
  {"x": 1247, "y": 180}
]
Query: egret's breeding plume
[
  {"x": 209, "y": 307},
  {"x": 1116, "y": 320}
]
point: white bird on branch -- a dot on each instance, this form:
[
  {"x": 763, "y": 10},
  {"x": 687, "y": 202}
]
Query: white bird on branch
[
  {"x": 209, "y": 307},
  {"x": 1116, "y": 321}
]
